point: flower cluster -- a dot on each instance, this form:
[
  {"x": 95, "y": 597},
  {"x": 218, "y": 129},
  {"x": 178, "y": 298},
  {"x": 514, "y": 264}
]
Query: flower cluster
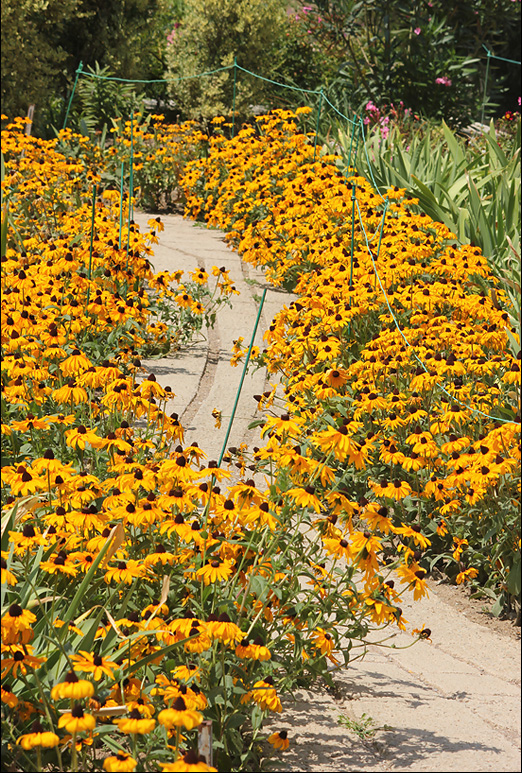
[
  {"x": 144, "y": 593},
  {"x": 395, "y": 361}
]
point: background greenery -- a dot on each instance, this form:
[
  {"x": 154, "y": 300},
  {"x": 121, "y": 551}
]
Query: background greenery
[{"x": 379, "y": 50}]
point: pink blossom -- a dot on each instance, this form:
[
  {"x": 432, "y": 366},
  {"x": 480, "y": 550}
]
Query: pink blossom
[
  {"x": 371, "y": 108},
  {"x": 417, "y": 30},
  {"x": 172, "y": 35},
  {"x": 443, "y": 81}
]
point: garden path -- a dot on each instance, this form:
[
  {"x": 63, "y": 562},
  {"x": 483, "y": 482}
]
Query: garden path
[{"x": 449, "y": 704}]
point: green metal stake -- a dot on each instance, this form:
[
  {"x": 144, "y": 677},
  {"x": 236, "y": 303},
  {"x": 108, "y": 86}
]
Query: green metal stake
[
  {"x": 121, "y": 204},
  {"x": 78, "y": 71},
  {"x": 351, "y": 253},
  {"x": 234, "y": 98},
  {"x": 485, "y": 88},
  {"x": 354, "y": 187},
  {"x": 317, "y": 122},
  {"x": 356, "y": 146},
  {"x": 351, "y": 143},
  {"x": 131, "y": 181},
  {"x": 242, "y": 377},
  {"x": 92, "y": 241}
]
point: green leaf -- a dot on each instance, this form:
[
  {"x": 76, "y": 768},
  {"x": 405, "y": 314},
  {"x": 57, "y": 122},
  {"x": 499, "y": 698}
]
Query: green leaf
[
  {"x": 89, "y": 575},
  {"x": 236, "y": 720},
  {"x": 497, "y": 607},
  {"x": 256, "y": 423},
  {"x": 514, "y": 579}
]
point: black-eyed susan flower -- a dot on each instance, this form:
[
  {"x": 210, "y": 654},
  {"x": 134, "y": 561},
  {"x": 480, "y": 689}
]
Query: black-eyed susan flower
[
  {"x": 75, "y": 364},
  {"x": 306, "y": 497},
  {"x": 279, "y": 740},
  {"x": 76, "y": 720},
  {"x": 466, "y": 575},
  {"x": 119, "y": 763},
  {"x": 323, "y": 641},
  {"x": 135, "y": 723},
  {"x": 8, "y": 697},
  {"x": 70, "y": 393},
  {"x": 415, "y": 577},
  {"x": 221, "y": 627},
  {"x": 143, "y": 705},
  {"x": 459, "y": 547},
  {"x": 7, "y": 576},
  {"x": 414, "y": 533},
  {"x": 264, "y": 694},
  {"x": 187, "y": 672},
  {"x": 72, "y": 688},
  {"x": 338, "y": 547},
  {"x": 215, "y": 570},
  {"x": 94, "y": 664},
  {"x": 15, "y": 621},
  {"x": 38, "y": 737},
  {"x": 125, "y": 571},
  {"x": 190, "y": 762},
  {"x": 16, "y": 657},
  {"x": 397, "y": 489},
  {"x": 179, "y": 716}
]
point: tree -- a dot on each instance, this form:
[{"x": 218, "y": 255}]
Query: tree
[
  {"x": 32, "y": 58},
  {"x": 210, "y": 35},
  {"x": 43, "y": 42}
]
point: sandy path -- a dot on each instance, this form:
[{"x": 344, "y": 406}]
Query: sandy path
[{"x": 452, "y": 704}]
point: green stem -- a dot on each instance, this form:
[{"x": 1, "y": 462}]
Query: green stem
[{"x": 74, "y": 754}]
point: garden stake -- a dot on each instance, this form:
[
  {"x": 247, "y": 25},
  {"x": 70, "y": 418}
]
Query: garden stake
[
  {"x": 121, "y": 204},
  {"x": 130, "y": 197},
  {"x": 30, "y": 115},
  {"x": 78, "y": 71},
  {"x": 348, "y": 166},
  {"x": 92, "y": 240},
  {"x": 242, "y": 378},
  {"x": 351, "y": 252},
  {"x": 205, "y": 740},
  {"x": 317, "y": 122},
  {"x": 234, "y": 98}
]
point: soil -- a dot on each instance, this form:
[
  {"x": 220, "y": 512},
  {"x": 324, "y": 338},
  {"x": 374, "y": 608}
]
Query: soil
[{"x": 477, "y": 610}]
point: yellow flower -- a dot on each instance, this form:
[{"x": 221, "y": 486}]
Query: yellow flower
[
  {"x": 72, "y": 688},
  {"x": 17, "y": 657},
  {"x": 215, "y": 570},
  {"x": 467, "y": 574},
  {"x": 323, "y": 641},
  {"x": 279, "y": 740},
  {"x": 264, "y": 694},
  {"x": 413, "y": 531},
  {"x": 38, "y": 737},
  {"x": 95, "y": 664},
  {"x": 76, "y": 720},
  {"x": 180, "y": 716},
  {"x": 191, "y": 761},
  {"x": 119, "y": 763},
  {"x": 135, "y": 723}
]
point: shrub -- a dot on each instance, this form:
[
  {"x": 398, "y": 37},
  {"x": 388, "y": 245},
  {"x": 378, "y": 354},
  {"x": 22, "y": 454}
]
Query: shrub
[{"x": 210, "y": 35}]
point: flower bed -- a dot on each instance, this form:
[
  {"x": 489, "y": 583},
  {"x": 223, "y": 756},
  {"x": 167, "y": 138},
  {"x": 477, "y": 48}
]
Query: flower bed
[
  {"x": 141, "y": 594},
  {"x": 392, "y": 357}
]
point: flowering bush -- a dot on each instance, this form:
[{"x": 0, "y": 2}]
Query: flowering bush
[
  {"x": 143, "y": 589},
  {"x": 392, "y": 359}
]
